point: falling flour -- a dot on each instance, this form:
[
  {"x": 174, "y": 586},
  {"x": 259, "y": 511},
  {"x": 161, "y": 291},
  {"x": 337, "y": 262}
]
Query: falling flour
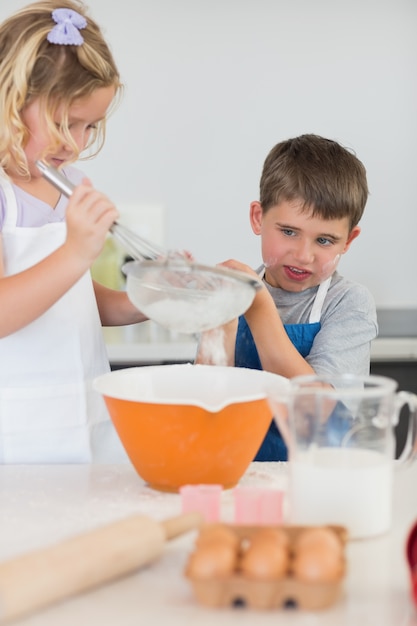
[{"x": 212, "y": 348}]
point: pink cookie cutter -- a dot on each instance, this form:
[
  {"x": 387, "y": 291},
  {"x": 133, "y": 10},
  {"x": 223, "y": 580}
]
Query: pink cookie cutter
[
  {"x": 254, "y": 505},
  {"x": 204, "y": 499},
  {"x": 411, "y": 554}
]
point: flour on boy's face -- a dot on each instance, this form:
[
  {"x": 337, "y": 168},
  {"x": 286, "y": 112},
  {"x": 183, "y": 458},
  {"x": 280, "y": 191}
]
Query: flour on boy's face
[{"x": 300, "y": 250}]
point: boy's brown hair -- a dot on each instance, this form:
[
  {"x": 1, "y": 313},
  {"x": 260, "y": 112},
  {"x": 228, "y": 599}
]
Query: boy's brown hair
[{"x": 328, "y": 178}]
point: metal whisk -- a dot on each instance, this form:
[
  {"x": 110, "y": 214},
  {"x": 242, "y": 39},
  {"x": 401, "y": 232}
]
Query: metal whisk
[
  {"x": 138, "y": 247},
  {"x": 167, "y": 287}
]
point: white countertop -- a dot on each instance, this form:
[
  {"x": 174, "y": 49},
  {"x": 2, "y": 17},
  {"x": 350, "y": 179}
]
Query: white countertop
[
  {"x": 394, "y": 348},
  {"x": 41, "y": 505},
  {"x": 149, "y": 343}
]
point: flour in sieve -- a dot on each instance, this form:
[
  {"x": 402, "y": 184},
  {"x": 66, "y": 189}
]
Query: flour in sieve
[{"x": 197, "y": 314}]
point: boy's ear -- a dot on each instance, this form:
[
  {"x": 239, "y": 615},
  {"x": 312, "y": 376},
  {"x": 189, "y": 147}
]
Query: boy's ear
[
  {"x": 255, "y": 217},
  {"x": 355, "y": 232}
]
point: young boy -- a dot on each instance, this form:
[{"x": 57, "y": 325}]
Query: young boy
[{"x": 308, "y": 318}]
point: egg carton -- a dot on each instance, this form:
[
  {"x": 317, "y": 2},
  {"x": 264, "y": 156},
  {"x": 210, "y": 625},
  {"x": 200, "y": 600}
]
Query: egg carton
[{"x": 237, "y": 589}]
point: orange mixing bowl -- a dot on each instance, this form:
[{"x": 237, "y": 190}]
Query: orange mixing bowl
[{"x": 190, "y": 424}]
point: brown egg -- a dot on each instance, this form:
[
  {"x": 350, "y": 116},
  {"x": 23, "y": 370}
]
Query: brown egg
[
  {"x": 318, "y": 564},
  {"x": 218, "y": 533},
  {"x": 318, "y": 537},
  {"x": 212, "y": 560},
  {"x": 264, "y": 559}
]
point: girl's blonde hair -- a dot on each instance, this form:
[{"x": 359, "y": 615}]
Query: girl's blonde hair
[{"x": 32, "y": 68}]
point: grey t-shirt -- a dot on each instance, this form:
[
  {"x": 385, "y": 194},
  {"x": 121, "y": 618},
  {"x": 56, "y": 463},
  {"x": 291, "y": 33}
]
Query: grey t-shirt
[{"x": 348, "y": 324}]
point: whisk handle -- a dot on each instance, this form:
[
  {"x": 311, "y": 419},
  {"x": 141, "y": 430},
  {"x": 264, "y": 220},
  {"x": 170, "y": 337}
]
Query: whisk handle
[
  {"x": 138, "y": 247},
  {"x": 58, "y": 180},
  {"x": 55, "y": 177}
]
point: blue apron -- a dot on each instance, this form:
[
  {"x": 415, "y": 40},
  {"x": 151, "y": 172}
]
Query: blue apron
[{"x": 302, "y": 337}]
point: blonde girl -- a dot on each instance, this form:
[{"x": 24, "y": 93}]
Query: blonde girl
[{"x": 58, "y": 82}]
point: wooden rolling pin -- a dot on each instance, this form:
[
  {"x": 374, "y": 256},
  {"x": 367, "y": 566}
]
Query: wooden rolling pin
[{"x": 33, "y": 581}]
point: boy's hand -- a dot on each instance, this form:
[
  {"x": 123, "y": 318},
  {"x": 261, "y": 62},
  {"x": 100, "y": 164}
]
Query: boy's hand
[
  {"x": 237, "y": 265},
  {"x": 262, "y": 296},
  {"x": 89, "y": 216}
]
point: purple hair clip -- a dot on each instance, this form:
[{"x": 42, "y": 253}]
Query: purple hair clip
[{"x": 66, "y": 32}]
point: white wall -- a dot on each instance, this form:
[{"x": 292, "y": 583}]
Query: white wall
[{"x": 212, "y": 85}]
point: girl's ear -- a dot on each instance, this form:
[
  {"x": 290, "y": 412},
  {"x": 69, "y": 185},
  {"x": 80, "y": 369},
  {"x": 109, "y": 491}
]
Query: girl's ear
[
  {"x": 255, "y": 216},
  {"x": 355, "y": 232}
]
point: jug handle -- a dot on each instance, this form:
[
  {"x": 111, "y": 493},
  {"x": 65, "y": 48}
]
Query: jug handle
[{"x": 409, "y": 452}]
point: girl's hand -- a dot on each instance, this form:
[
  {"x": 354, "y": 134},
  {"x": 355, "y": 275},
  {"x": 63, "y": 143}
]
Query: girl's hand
[{"x": 89, "y": 216}]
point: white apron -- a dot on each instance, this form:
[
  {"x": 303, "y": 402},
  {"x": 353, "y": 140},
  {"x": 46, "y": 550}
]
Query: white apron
[{"x": 49, "y": 412}]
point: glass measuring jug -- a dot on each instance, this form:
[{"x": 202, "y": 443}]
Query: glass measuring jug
[{"x": 339, "y": 431}]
